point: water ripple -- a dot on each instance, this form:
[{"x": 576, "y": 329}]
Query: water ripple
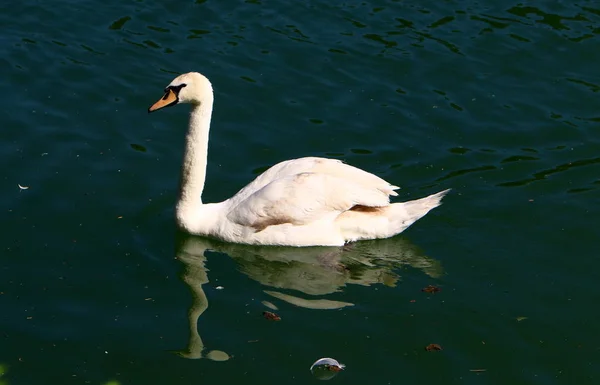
[
  {"x": 541, "y": 175},
  {"x": 497, "y": 100}
]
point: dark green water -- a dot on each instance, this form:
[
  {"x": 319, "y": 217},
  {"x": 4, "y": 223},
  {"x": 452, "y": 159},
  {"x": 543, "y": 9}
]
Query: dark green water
[{"x": 496, "y": 100}]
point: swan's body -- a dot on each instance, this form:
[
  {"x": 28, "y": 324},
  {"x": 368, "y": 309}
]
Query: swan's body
[{"x": 299, "y": 202}]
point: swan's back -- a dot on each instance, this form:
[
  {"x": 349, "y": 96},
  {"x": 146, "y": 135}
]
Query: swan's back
[{"x": 325, "y": 166}]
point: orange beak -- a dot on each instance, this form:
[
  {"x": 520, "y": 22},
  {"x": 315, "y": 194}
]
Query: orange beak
[{"x": 169, "y": 99}]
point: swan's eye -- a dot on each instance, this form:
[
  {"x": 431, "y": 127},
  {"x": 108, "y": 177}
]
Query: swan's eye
[{"x": 178, "y": 87}]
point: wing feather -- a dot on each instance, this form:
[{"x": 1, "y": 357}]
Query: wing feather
[
  {"x": 303, "y": 198},
  {"x": 333, "y": 167}
]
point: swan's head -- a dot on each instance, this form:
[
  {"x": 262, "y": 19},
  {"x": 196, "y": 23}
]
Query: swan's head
[{"x": 192, "y": 87}]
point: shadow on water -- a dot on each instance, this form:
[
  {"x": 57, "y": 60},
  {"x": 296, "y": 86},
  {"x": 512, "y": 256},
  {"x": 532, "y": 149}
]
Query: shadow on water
[{"x": 308, "y": 271}]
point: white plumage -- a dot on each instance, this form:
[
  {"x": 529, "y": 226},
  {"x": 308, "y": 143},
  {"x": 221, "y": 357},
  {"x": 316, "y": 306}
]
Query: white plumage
[{"x": 300, "y": 202}]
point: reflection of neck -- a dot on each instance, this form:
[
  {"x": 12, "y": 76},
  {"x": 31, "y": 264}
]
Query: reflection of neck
[
  {"x": 191, "y": 254},
  {"x": 194, "y": 277},
  {"x": 193, "y": 172},
  {"x": 199, "y": 305}
]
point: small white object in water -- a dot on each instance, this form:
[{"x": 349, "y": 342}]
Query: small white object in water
[
  {"x": 326, "y": 368},
  {"x": 23, "y": 187},
  {"x": 219, "y": 288}
]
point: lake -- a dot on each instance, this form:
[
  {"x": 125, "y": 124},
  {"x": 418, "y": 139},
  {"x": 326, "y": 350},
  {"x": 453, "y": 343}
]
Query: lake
[{"x": 497, "y": 101}]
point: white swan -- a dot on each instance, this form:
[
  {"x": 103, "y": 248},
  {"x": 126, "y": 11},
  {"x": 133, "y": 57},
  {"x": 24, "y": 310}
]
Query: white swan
[{"x": 299, "y": 202}]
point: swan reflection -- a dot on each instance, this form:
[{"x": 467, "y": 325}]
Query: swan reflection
[{"x": 304, "y": 273}]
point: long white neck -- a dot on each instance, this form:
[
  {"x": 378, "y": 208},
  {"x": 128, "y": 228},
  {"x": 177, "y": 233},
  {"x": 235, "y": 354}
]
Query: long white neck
[{"x": 193, "y": 171}]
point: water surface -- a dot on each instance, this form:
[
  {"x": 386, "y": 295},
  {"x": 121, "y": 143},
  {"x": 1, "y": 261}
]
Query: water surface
[{"x": 498, "y": 101}]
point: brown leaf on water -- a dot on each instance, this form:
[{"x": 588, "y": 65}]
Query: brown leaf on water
[
  {"x": 433, "y": 347},
  {"x": 431, "y": 289},
  {"x": 271, "y": 316}
]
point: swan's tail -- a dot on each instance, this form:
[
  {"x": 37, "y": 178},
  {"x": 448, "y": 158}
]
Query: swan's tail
[
  {"x": 386, "y": 221},
  {"x": 404, "y": 214}
]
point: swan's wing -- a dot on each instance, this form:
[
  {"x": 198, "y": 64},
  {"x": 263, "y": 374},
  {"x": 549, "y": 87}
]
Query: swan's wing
[
  {"x": 303, "y": 198},
  {"x": 332, "y": 167}
]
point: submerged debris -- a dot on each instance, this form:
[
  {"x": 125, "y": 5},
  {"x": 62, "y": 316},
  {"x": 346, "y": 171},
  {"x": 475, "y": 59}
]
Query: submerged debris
[
  {"x": 271, "y": 316},
  {"x": 431, "y": 289},
  {"x": 433, "y": 347}
]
